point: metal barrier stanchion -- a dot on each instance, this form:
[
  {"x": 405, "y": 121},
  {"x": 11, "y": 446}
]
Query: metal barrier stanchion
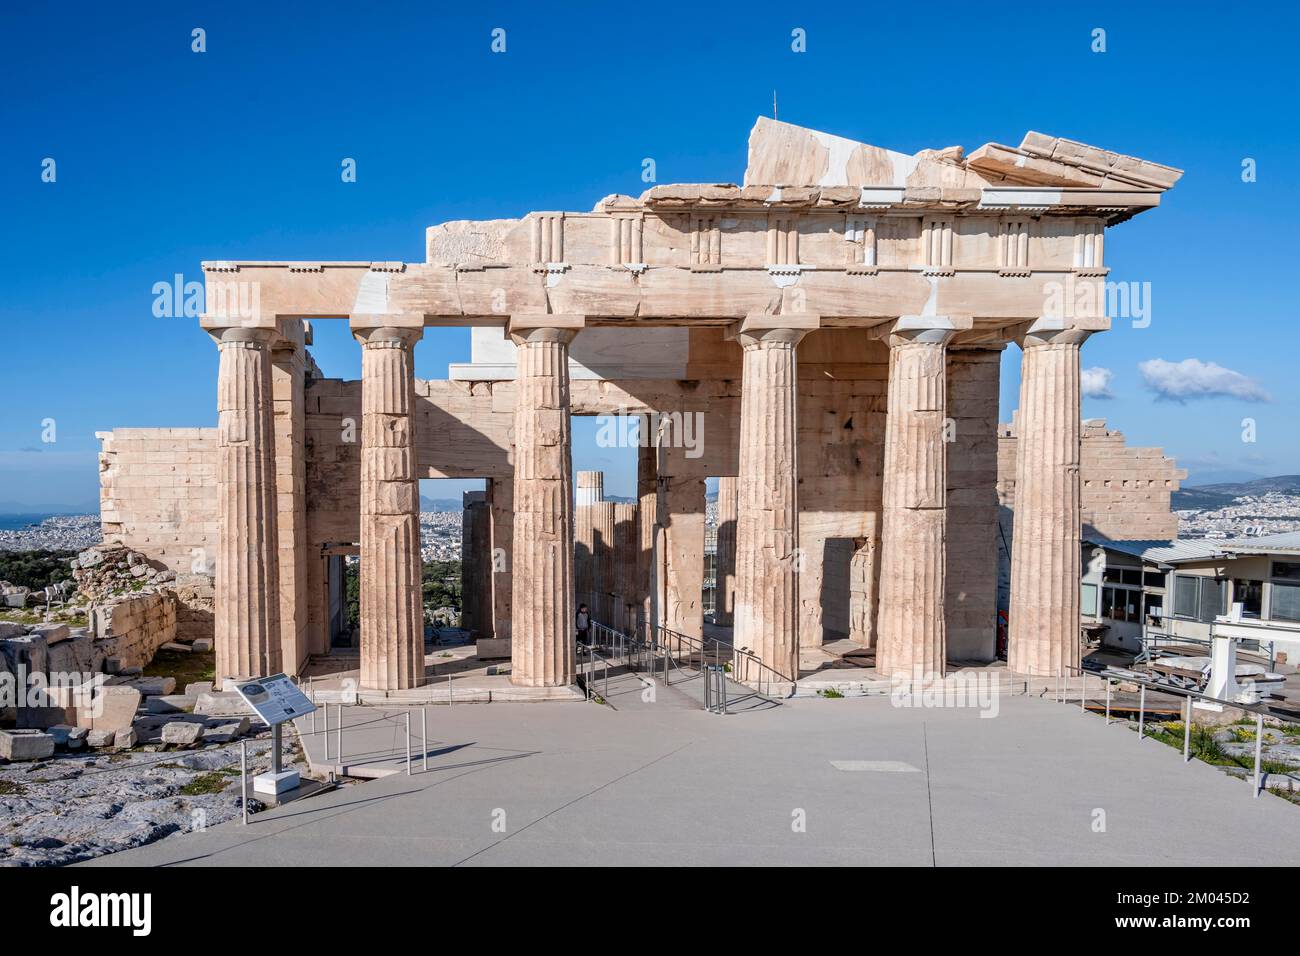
[
  {"x": 1142, "y": 711},
  {"x": 1083, "y": 691},
  {"x": 408, "y": 742},
  {"x": 1187, "y": 732},
  {"x": 1107, "y": 701},
  {"x": 243, "y": 776},
  {"x": 424, "y": 734},
  {"x": 1259, "y": 745},
  {"x": 325, "y": 719},
  {"x": 338, "y": 743}
]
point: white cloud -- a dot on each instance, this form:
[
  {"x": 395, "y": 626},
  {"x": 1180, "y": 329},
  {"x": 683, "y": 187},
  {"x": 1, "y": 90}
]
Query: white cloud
[
  {"x": 1191, "y": 378},
  {"x": 1095, "y": 382}
]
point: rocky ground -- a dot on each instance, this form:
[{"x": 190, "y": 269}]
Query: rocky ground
[
  {"x": 73, "y": 807},
  {"x": 1231, "y": 747}
]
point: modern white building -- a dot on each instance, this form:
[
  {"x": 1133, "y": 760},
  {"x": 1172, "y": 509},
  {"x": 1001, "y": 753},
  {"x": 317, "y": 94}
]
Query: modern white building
[{"x": 1185, "y": 591}]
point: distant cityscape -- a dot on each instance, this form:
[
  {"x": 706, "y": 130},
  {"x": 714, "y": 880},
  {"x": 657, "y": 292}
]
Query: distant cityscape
[{"x": 1246, "y": 509}]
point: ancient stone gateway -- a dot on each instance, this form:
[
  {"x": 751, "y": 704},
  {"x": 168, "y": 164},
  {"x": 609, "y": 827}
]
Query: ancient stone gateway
[{"x": 826, "y": 334}]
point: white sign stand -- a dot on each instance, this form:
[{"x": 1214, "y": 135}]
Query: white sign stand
[{"x": 275, "y": 700}]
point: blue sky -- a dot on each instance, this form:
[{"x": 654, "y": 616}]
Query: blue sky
[{"x": 166, "y": 157}]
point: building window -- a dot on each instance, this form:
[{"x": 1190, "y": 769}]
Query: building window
[
  {"x": 1285, "y": 605},
  {"x": 1212, "y": 596},
  {"x": 1089, "y": 600},
  {"x": 1250, "y": 595},
  {"x": 1155, "y": 609},
  {"x": 1186, "y": 595},
  {"x": 1288, "y": 570},
  {"x": 1153, "y": 579},
  {"x": 1121, "y": 604}
]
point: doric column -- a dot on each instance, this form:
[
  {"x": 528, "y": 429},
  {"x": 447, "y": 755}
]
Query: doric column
[
  {"x": 392, "y": 607},
  {"x": 590, "y": 491},
  {"x": 543, "y": 629},
  {"x": 247, "y": 598},
  {"x": 288, "y": 385},
  {"x": 1044, "y": 614},
  {"x": 626, "y": 539},
  {"x": 647, "y": 491},
  {"x": 602, "y": 563},
  {"x": 766, "y": 608},
  {"x": 911, "y": 616},
  {"x": 725, "y": 558}
]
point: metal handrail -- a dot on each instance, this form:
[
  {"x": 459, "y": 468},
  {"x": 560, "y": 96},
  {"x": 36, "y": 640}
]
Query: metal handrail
[
  {"x": 763, "y": 691},
  {"x": 1111, "y": 676}
]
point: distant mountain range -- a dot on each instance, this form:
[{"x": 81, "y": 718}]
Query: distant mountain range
[{"x": 1218, "y": 494}]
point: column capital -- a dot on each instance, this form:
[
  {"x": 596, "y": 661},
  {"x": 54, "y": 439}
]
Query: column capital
[
  {"x": 387, "y": 330},
  {"x": 759, "y": 329},
  {"x": 254, "y": 337},
  {"x": 1051, "y": 330},
  {"x": 922, "y": 329},
  {"x": 527, "y": 328}
]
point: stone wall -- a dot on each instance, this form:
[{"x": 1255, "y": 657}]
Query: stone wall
[
  {"x": 158, "y": 494},
  {"x": 129, "y": 633},
  {"x": 1125, "y": 491}
]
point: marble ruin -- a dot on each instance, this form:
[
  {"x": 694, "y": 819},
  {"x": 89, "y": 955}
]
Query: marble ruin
[{"x": 824, "y": 338}]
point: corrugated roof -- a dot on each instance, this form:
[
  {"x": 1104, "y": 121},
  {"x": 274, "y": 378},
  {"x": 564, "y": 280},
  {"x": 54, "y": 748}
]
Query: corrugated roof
[
  {"x": 1163, "y": 552},
  {"x": 1264, "y": 544},
  {"x": 1202, "y": 549}
]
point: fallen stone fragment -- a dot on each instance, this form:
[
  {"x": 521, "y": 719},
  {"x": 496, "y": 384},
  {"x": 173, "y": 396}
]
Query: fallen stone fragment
[
  {"x": 26, "y": 745},
  {"x": 224, "y": 733},
  {"x": 182, "y": 734}
]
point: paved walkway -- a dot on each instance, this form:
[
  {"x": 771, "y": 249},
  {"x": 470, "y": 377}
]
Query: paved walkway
[{"x": 869, "y": 782}]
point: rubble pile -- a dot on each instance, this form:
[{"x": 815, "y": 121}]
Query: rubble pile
[{"x": 112, "y": 570}]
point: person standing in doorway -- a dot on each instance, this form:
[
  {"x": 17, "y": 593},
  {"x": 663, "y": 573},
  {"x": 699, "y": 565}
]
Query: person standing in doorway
[{"x": 584, "y": 625}]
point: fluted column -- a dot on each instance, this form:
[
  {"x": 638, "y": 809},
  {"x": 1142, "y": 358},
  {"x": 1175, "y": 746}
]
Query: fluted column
[
  {"x": 725, "y": 557},
  {"x": 767, "y": 528},
  {"x": 542, "y": 647},
  {"x": 247, "y": 597},
  {"x": 602, "y": 563},
  {"x": 626, "y": 538},
  {"x": 911, "y": 616},
  {"x": 1044, "y": 614},
  {"x": 392, "y": 611},
  {"x": 590, "y": 491}
]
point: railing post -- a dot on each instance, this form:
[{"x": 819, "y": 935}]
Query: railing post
[
  {"x": 1187, "y": 731},
  {"x": 1083, "y": 691},
  {"x": 408, "y": 742},
  {"x": 722, "y": 687},
  {"x": 1259, "y": 746},
  {"x": 424, "y": 734},
  {"x": 338, "y": 743},
  {"x": 325, "y": 719},
  {"x": 1107, "y": 701},
  {"x": 1142, "y": 711},
  {"x": 243, "y": 777}
]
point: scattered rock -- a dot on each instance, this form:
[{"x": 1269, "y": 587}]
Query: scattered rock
[
  {"x": 202, "y": 644},
  {"x": 182, "y": 733},
  {"x": 100, "y": 738},
  {"x": 125, "y": 739},
  {"x": 224, "y": 733},
  {"x": 26, "y": 745},
  {"x": 169, "y": 704},
  {"x": 175, "y": 646},
  {"x": 222, "y": 704},
  {"x": 198, "y": 687}
]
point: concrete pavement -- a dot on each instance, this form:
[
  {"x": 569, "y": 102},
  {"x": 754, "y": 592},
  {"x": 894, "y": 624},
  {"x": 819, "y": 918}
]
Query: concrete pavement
[{"x": 849, "y": 781}]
